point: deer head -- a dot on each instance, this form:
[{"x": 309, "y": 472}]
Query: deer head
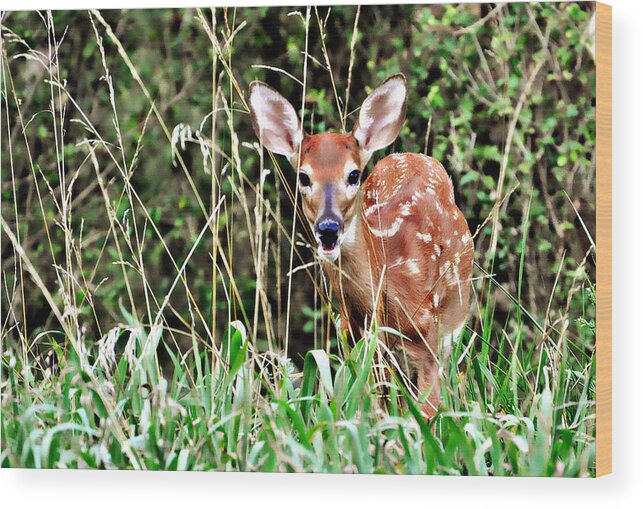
[{"x": 329, "y": 165}]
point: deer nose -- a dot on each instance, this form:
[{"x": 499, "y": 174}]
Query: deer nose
[{"x": 328, "y": 230}]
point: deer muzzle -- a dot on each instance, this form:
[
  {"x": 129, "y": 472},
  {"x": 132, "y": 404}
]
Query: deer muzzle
[{"x": 328, "y": 231}]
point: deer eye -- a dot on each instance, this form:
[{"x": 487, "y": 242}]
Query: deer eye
[
  {"x": 353, "y": 178},
  {"x": 304, "y": 179}
]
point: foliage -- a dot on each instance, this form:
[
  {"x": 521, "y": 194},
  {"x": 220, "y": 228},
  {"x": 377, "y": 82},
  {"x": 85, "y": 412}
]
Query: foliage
[{"x": 247, "y": 411}]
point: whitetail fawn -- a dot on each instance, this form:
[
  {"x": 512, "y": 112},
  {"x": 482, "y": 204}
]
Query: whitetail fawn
[{"x": 396, "y": 248}]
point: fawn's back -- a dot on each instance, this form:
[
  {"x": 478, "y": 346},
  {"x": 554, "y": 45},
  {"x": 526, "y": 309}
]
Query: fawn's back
[{"x": 420, "y": 244}]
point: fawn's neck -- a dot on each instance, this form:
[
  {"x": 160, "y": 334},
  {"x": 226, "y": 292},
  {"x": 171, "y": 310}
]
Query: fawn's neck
[
  {"x": 354, "y": 242},
  {"x": 351, "y": 276}
]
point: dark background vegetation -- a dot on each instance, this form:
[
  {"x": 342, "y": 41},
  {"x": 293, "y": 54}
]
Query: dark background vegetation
[{"x": 475, "y": 74}]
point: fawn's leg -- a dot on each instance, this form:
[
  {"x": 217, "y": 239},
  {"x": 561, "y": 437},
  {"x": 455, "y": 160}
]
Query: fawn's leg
[{"x": 426, "y": 367}]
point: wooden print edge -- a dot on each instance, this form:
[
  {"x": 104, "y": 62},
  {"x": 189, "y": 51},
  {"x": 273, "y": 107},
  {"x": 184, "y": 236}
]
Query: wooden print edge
[{"x": 604, "y": 239}]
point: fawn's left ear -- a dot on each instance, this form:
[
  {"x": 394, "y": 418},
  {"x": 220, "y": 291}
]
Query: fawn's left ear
[
  {"x": 274, "y": 120},
  {"x": 381, "y": 116}
]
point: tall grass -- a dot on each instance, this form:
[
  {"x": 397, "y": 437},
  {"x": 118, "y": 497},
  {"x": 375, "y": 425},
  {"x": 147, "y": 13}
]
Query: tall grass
[
  {"x": 256, "y": 412},
  {"x": 516, "y": 399}
]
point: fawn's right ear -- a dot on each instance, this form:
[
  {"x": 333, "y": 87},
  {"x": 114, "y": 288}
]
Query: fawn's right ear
[
  {"x": 381, "y": 116},
  {"x": 274, "y": 120}
]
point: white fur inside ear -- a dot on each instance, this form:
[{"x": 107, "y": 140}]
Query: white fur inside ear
[
  {"x": 381, "y": 115},
  {"x": 275, "y": 119},
  {"x": 395, "y": 94}
]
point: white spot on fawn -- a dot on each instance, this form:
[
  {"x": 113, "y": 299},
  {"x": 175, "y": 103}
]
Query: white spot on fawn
[
  {"x": 412, "y": 265},
  {"x": 453, "y": 336},
  {"x": 424, "y": 237},
  {"x": 398, "y": 158},
  {"x": 374, "y": 208},
  {"x": 425, "y": 316},
  {"x": 406, "y": 209},
  {"x": 389, "y": 232}
]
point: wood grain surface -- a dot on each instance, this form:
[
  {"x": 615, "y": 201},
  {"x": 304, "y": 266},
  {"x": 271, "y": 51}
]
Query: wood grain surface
[{"x": 604, "y": 239}]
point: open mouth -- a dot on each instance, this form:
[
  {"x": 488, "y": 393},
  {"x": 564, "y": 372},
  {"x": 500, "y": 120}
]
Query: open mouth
[
  {"x": 328, "y": 241},
  {"x": 328, "y": 246},
  {"x": 329, "y": 250},
  {"x": 328, "y": 233}
]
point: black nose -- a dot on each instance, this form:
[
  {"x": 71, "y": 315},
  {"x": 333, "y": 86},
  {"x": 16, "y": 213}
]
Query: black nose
[{"x": 328, "y": 233}]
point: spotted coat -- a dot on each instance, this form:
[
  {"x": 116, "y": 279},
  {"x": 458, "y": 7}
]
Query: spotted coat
[{"x": 419, "y": 251}]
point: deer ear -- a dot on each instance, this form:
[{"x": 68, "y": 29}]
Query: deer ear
[
  {"x": 381, "y": 115},
  {"x": 274, "y": 120}
]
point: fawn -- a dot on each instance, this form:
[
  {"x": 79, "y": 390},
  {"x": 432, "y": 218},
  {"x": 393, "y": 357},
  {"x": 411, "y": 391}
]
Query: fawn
[{"x": 395, "y": 247}]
